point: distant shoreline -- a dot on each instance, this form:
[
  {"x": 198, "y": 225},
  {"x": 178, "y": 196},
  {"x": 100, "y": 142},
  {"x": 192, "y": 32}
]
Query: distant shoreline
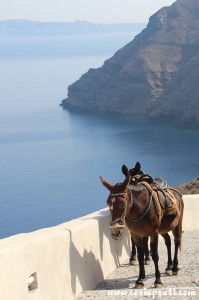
[{"x": 24, "y": 28}]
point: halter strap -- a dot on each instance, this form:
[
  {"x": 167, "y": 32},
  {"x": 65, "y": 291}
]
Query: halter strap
[
  {"x": 117, "y": 195},
  {"x": 144, "y": 214}
]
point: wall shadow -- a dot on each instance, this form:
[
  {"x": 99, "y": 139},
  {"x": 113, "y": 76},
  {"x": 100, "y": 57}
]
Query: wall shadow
[
  {"x": 116, "y": 246},
  {"x": 81, "y": 264}
]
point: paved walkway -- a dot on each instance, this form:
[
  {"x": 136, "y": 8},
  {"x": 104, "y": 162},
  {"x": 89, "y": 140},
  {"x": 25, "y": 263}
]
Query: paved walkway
[{"x": 119, "y": 284}]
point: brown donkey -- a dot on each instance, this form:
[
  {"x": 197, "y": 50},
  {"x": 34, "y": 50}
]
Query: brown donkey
[{"x": 134, "y": 206}]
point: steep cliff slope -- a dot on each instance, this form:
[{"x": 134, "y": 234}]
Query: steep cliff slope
[
  {"x": 191, "y": 187},
  {"x": 156, "y": 74}
]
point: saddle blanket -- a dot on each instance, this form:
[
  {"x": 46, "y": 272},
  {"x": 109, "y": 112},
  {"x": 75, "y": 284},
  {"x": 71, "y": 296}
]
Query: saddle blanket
[{"x": 164, "y": 200}]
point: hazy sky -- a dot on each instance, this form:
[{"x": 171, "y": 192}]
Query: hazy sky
[{"x": 104, "y": 11}]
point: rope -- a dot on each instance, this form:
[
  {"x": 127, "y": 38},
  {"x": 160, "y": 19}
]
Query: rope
[
  {"x": 155, "y": 198},
  {"x": 143, "y": 215}
]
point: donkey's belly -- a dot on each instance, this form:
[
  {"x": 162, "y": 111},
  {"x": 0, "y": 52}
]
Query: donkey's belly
[
  {"x": 168, "y": 223},
  {"x": 141, "y": 230}
]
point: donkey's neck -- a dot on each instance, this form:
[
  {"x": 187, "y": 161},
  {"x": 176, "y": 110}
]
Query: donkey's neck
[
  {"x": 135, "y": 190},
  {"x": 135, "y": 197}
]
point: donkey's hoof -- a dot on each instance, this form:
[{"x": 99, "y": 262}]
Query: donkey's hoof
[
  {"x": 147, "y": 261},
  {"x": 174, "y": 272},
  {"x": 158, "y": 284},
  {"x": 139, "y": 284},
  {"x": 132, "y": 262},
  {"x": 168, "y": 271}
]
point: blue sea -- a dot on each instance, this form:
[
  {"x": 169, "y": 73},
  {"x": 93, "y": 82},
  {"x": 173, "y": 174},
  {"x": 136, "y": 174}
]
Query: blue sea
[{"x": 51, "y": 159}]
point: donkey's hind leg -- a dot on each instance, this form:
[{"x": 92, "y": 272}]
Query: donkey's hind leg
[
  {"x": 167, "y": 240},
  {"x": 177, "y": 232}
]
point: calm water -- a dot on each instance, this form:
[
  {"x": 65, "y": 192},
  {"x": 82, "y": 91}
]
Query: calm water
[{"x": 50, "y": 160}]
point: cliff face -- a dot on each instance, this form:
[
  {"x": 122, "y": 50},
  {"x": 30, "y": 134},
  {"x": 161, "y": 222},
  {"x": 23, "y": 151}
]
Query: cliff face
[
  {"x": 191, "y": 187},
  {"x": 156, "y": 74}
]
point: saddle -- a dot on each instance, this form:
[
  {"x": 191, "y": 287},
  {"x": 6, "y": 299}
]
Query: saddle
[
  {"x": 160, "y": 183},
  {"x": 163, "y": 197}
]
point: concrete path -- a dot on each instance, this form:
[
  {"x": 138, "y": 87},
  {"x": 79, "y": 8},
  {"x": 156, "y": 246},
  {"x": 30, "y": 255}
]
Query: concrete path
[{"x": 119, "y": 285}]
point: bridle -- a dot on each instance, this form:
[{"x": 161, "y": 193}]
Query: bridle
[
  {"x": 124, "y": 211},
  {"x": 121, "y": 218}
]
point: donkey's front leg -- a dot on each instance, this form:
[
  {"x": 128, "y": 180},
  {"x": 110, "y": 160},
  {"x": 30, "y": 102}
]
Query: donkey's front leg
[
  {"x": 132, "y": 259},
  {"x": 146, "y": 250},
  {"x": 155, "y": 257},
  {"x": 139, "y": 282}
]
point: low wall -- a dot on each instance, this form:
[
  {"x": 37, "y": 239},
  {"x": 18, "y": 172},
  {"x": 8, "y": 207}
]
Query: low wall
[
  {"x": 65, "y": 259},
  {"x": 69, "y": 258}
]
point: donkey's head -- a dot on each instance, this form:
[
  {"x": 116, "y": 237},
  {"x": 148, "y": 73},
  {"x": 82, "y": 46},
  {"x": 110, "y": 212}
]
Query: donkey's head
[{"x": 118, "y": 205}]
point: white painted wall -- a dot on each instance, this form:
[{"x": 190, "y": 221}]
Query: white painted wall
[
  {"x": 191, "y": 212},
  {"x": 68, "y": 258}
]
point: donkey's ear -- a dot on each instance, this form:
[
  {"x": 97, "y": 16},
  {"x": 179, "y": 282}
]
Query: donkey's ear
[
  {"x": 127, "y": 180},
  {"x": 137, "y": 167},
  {"x": 125, "y": 170},
  {"x": 106, "y": 184}
]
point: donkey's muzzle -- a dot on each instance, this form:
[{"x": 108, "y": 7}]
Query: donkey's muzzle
[{"x": 116, "y": 230}]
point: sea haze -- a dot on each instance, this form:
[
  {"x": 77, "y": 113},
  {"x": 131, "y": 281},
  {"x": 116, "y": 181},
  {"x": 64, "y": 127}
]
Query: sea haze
[
  {"x": 51, "y": 159},
  {"x": 42, "y": 47}
]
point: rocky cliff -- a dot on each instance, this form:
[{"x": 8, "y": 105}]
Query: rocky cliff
[
  {"x": 191, "y": 187},
  {"x": 156, "y": 74}
]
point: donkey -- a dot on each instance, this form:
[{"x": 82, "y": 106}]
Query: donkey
[
  {"x": 136, "y": 208},
  {"x": 136, "y": 173}
]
